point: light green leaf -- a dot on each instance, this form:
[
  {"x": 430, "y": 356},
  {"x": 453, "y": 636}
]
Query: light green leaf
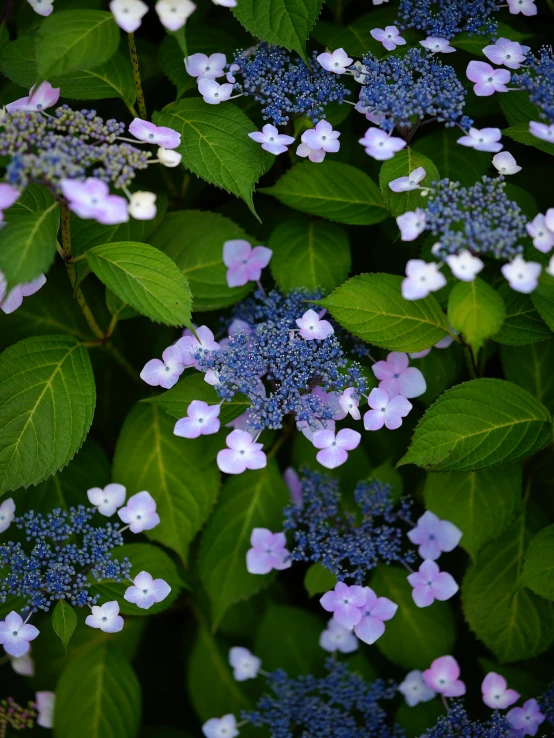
[
  {"x": 145, "y": 279},
  {"x": 401, "y": 165},
  {"x": 543, "y": 299},
  {"x": 332, "y": 190},
  {"x": 193, "y": 387},
  {"x": 281, "y": 22},
  {"x": 33, "y": 199},
  {"x": 513, "y": 626},
  {"x": 297, "y": 649},
  {"x": 531, "y": 369},
  {"x": 149, "y": 457},
  {"x": 194, "y": 240},
  {"x": 215, "y": 145},
  {"x": 309, "y": 254},
  {"x": 481, "y": 503},
  {"x": 47, "y": 399},
  {"x": 415, "y": 636},
  {"x": 252, "y": 500},
  {"x": 318, "y": 580},
  {"x": 479, "y": 424},
  {"x": 75, "y": 39},
  {"x": 538, "y": 569},
  {"x": 98, "y": 696},
  {"x": 64, "y": 621},
  {"x": 520, "y": 133},
  {"x": 28, "y": 244},
  {"x": 371, "y": 306},
  {"x": 522, "y": 325},
  {"x": 452, "y": 160},
  {"x": 476, "y": 310}
]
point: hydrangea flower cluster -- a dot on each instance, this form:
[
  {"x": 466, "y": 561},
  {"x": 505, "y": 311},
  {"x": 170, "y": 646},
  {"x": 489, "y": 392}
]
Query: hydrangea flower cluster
[
  {"x": 348, "y": 543},
  {"x": 444, "y": 19},
  {"x": 398, "y": 89},
  {"x": 67, "y": 555}
]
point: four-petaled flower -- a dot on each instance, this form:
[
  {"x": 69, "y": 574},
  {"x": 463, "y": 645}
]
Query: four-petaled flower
[
  {"x": 164, "y": 373},
  {"x": 37, "y": 100},
  {"x": 146, "y": 591},
  {"x": 128, "y": 14},
  {"x": 434, "y": 536},
  {"x": 206, "y": 67},
  {"x": 15, "y": 634},
  {"x": 543, "y": 237},
  {"x": 338, "y": 638},
  {"x": 397, "y": 378},
  {"x": 411, "y": 182},
  {"x": 107, "y": 500},
  {"x": 505, "y": 163},
  {"x": 430, "y": 584},
  {"x": 92, "y": 199},
  {"x": 312, "y": 327},
  {"x": 482, "y": 139},
  {"x": 106, "y": 617},
  {"x": 349, "y": 402},
  {"x": 487, "y": 80},
  {"x": 142, "y": 205},
  {"x": 381, "y": 145},
  {"x": 7, "y": 513},
  {"x": 268, "y": 552},
  {"x": 244, "y": 263},
  {"x": 145, "y": 131},
  {"x": 437, "y": 45},
  {"x": 386, "y": 411},
  {"x": 464, "y": 265},
  {"x": 202, "y": 420},
  {"x": 526, "y": 720},
  {"x": 42, "y": 7},
  {"x": 522, "y": 276},
  {"x": 242, "y": 454},
  {"x": 213, "y": 92},
  {"x": 140, "y": 512},
  {"x": 223, "y": 727},
  {"x": 245, "y": 664},
  {"x": 414, "y": 689},
  {"x": 336, "y": 61},
  {"x": 389, "y": 36},
  {"x": 422, "y": 278},
  {"x": 496, "y": 694},
  {"x": 318, "y": 141},
  {"x": 374, "y": 613},
  {"x": 506, "y": 53},
  {"x": 345, "y": 603},
  {"x": 411, "y": 223},
  {"x": 525, "y": 7},
  {"x": 442, "y": 677},
  {"x": 334, "y": 449},
  {"x": 173, "y": 14},
  {"x": 271, "y": 140}
]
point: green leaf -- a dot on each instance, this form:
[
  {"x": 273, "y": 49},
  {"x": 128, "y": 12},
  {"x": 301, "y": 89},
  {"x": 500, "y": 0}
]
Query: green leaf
[
  {"x": 401, "y": 165},
  {"x": 543, "y": 299},
  {"x": 513, "y": 626},
  {"x": 371, "y": 306},
  {"x": 318, "y": 580},
  {"x": 54, "y": 402},
  {"x": 28, "y": 244},
  {"x": 75, "y": 39},
  {"x": 149, "y": 457},
  {"x": 476, "y": 310},
  {"x": 478, "y": 424},
  {"x": 193, "y": 387},
  {"x": 309, "y": 254},
  {"x": 33, "y": 199},
  {"x": 474, "y": 44},
  {"x": 355, "y": 37},
  {"x": 332, "y": 190},
  {"x": 531, "y": 369},
  {"x": 415, "y": 636},
  {"x": 143, "y": 557},
  {"x": 145, "y": 279},
  {"x": 441, "y": 369},
  {"x": 538, "y": 569},
  {"x": 194, "y": 240},
  {"x": 64, "y": 621},
  {"x": 98, "y": 696},
  {"x": 522, "y": 325},
  {"x": 452, "y": 160},
  {"x": 521, "y": 134},
  {"x": 252, "y": 500},
  {"x": 297, "y": 649},
  {"x": 215, "y": 145},
  {"x": 281, "y": 22},
  {"x": 518, "y": 109},
  {"x": 481, "y": 503}
]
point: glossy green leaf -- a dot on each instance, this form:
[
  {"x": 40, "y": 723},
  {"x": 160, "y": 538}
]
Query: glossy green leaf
[
  {"x": 518, "y": 109},
  {"x": 401, "y": 165},
  {"x": 543, "y": 299},
  {"x": 522, "y": 324},
  {"x": 478, "y": 424},
  {"x": 145, "y": 279},
  {"x": 481, "y": 503},
  {"x": 297, "y": 649},
  {"x": 520, "y": 133},
  {"x": 254, "y": 499},
  {"x": 538, "y": 569},
  {"x": 318, "y": 580},
  {"x": 54, "y": 403},
  {"x": 149, "y": 457},
  {"x": 531, "y": 368},
  {"x": 309, "y": 254},
  {"x": 28, "y": 245},
  {"x": 335, "y": 191},
  {"x": 215, "y": 145},
  {"x": 476, "y": 311},
  {"x": 371, "y": 306},
  {"x": 64, "y": 621}
]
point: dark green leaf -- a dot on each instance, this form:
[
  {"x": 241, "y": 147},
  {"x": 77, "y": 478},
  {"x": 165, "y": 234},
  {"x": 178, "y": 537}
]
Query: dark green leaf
[
  {"x": 521, "y": 134},
  {"x": 452, "y": 160},
  {"x": 318, "y": 580},
  {"x": 538, "y": 569},
  {"x": 297, "y": 649},
  {"x": 522, "y": 325},
  {"x": 28, "y": 245},
  {"x": 543, "y": 299},
  {"x": 531, "y": 369},
  {"x": 476, "y": 311},
  {"x": 64, "y": 621},
  {"x": 401, "y": 165}
]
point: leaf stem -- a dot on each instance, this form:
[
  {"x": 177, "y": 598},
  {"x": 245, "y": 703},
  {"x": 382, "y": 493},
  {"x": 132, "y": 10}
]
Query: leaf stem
[{"x": 136, "y": 76}]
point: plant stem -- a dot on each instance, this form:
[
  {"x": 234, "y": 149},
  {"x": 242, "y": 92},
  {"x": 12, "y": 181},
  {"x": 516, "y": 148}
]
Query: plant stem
[
  {"x": 66, "y": 248},
  {"x": 131, "y": 109},
  {"x": 136, "y": 76}
]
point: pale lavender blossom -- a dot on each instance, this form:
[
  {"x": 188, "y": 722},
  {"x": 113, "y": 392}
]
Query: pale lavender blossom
[
  {"x": 345, "y": 603},
  {"x": 464, "y": 265},
  {"x": 542, "y": 131},
  {"x": 206, "y": 67},
  {"x": 487, "y": 80},
  {"x": 482, "y": 139},
  {"x": 496, "y": 694},
  {"x": 389, "y": 36},
  {"x": 505, "y": 163},
  {"x": 128, "y": 14},
  {"x": 437, "y": 45},
  {"x": 146, "y": 591},
  {"x": 442, "y": 677},
  {"x": 164, "y": 373},
  {"x": 397, "y": 377},
  {"x": 106, "y": 617},
  {"x": 385, "y": 410},
  {"x": 543, "y": 237},
  {"x": 411, "y": 182},
  {"x": 268, "y": 552},
  {"x": 349, "y": 402},
  {"x": 434, "y": 536},
  {"x": 225, "y": 3},
  {"x": 317, "y": 424},
  {"x": 245, "y": 664},
  {"x": 381, "y": 145},
  {"x": 506, "y": 53},
  {"x": 522, "y": 276},
  {"x": 244, "y": 263},
  {"x": 430, "y": 583},
  {"x": 23, "y": 665},
  {"x": 213, "y": 93},
  {"x": 37, "y": 100},
  {"x": 12, "y": 300},
  {"x": 312, "y": 327},
  {"x": 45, "y": 702},
  {"x": 526, "y": 720},
  {"x": 336, "y": 61},
  {"x": 422, "y": 278},
  {"x": 202, "y": 420},
  {"x": 15, "y": 635},
  {"x": 8, "y": 195},
  {"x": 525, "y": 7},
  {"x": 242, "y": 453},
  {"x": 318, "y": 141},
  {"x": 144, "y": 130},
  {"x": 223, "y": 727},
  {"x": 140, "y": 512},
  {"x": 412, "y": 224},
  {"x": 334, "y": 449},
  {"x": 173, "y": 14},
  {"x": 271, "y": 140},
  {"x": 375, "y": 612},
  {"x": 338, "y": 638},
  {"x": 42, "y": 7},
  {"x": 414, "y": 689},
  {"x": 189, "y": 345},
  {"x": 7, "y": 514},
  {"x": 107, "y": 500},
  {"x": 92, "y": 199}
]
